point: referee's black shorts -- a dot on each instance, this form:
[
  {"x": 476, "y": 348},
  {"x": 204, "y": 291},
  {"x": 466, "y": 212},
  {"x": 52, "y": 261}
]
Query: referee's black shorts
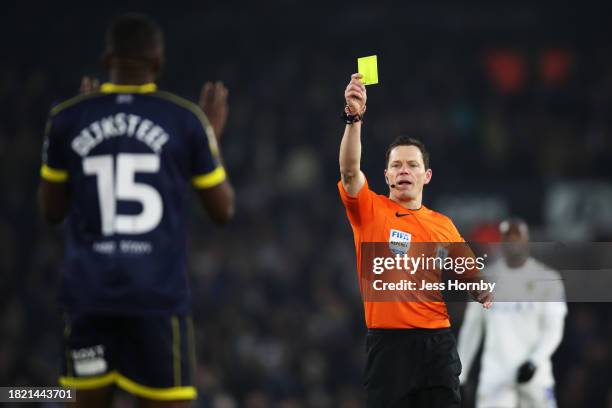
[{"x": 409, "y": 368}]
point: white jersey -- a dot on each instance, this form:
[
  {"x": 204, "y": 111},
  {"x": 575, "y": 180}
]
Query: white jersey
[{"x": 515, "y": 332}]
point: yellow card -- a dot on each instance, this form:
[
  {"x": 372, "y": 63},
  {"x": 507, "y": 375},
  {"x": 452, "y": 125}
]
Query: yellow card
[{"x": 368, "y": 67}]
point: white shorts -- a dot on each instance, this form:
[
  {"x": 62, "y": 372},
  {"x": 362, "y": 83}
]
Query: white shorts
[{"x": 517, "y": 396}]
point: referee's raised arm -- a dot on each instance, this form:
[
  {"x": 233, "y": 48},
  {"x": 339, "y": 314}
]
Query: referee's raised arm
[{"x": 350, "y": 148}]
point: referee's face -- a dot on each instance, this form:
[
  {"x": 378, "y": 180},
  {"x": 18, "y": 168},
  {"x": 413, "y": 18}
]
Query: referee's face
[{"x": 406, "y": 171}]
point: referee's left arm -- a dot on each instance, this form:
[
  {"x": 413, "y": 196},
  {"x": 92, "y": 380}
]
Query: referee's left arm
[{"x": 350, "y": 147}]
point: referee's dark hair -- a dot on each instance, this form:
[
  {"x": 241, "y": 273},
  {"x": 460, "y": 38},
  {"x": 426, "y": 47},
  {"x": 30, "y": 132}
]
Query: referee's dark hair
[
  {"x": 134, "y": 36},
  {"x": 408, "y": 141}
]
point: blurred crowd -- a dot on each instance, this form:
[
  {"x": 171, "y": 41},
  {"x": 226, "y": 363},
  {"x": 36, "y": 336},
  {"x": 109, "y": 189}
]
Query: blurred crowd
[{"x": 276, "y": 304}]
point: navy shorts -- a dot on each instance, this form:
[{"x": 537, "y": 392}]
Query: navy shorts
[{"x": 149, "y": 356}]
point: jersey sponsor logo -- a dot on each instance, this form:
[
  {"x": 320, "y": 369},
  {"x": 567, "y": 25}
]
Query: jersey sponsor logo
[
  {"x": 399, "y": 241},
  {"x": 530, "y": 286},
  {"x": 89, "y": 360}
]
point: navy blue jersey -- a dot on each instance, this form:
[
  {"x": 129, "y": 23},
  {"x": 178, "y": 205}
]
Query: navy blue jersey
[{"x": 129, "y": 155}]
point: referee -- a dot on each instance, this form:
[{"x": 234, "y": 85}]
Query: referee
[{"x": 412, "y": 358}]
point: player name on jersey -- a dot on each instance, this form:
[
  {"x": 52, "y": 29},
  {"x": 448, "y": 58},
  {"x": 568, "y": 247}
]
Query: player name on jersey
[{"x": 120, "y": 124}]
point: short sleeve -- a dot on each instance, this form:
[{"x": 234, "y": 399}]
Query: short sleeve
[
  {"x": 54, "y": 152},
  {"x": 462, "y": 252},
  {"x": 455, "y": 232},
  {"x": 207, "y": 170},
  {"x": 360, "y": 209},
  {"x": 553, "y": 292},
  {"x": 464, "y": 256}
]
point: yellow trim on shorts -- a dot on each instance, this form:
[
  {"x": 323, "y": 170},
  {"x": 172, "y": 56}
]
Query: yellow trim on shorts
[
  {"x": 162, "y": 394},
  {"x": 54, "y": 175},
  {"x": 109, "y": 87},
  {"x": 88, "y": 383},
  {"x": 114, "y": 377},
  {"x": 208, "y": 180}
]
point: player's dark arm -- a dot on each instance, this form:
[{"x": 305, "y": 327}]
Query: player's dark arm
[
  {"x": 213, "y": 101},
  {"x": 218, "y": 201},
  {"x": 53, "y": 200}
]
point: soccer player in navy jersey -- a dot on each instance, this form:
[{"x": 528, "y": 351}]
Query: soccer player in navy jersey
[{"x": 117, "y": 165}]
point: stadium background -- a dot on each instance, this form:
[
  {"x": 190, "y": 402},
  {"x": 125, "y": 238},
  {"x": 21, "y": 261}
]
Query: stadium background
[{"x": 512, "y": 99}]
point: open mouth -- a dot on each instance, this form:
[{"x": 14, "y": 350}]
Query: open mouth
[{"x": 404, "y": 183}]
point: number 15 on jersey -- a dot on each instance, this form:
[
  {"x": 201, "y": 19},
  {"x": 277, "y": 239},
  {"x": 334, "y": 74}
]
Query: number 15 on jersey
[{"x": 117, "y": 183}]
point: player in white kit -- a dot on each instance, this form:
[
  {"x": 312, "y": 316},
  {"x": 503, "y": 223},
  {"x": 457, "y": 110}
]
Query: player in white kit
[{"x": 521, "y": 336}]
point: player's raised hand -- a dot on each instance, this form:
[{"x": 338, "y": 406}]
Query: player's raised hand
[
  {"x": 213, "y": 101},
  {"x": 89, "y": 85},
  {"x": 355, "y": 95}
]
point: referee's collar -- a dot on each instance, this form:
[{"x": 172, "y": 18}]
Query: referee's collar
[{"x": 109, "y": 87}]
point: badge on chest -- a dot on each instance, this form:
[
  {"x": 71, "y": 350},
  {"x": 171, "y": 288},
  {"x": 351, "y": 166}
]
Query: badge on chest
[{"x": 399, "y": 241}]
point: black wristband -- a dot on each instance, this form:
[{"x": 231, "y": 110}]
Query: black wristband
[{"x": 349, "y": 118}]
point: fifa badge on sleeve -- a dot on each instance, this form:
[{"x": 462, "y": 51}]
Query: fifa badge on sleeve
[{"x": 399, "y": 241}]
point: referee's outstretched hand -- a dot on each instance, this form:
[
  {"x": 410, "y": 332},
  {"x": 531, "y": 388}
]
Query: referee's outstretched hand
[
  {"x": 213, "y": 101},
  {"x": 355, "y": 95}
]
